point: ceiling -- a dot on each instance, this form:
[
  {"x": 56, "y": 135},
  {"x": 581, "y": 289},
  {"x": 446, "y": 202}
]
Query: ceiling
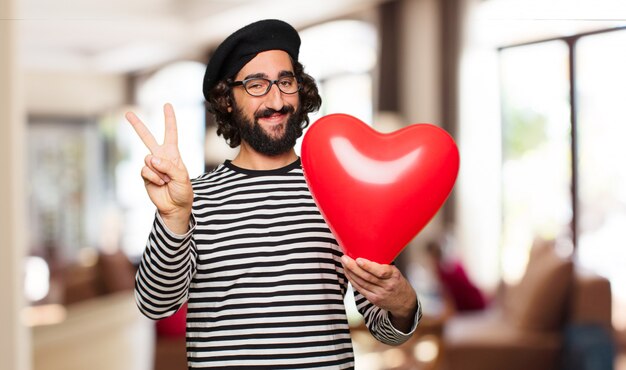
[{"x": 122, "y": 36}]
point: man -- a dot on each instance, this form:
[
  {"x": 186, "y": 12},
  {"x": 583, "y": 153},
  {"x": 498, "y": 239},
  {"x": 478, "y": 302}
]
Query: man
[{"x": 245, "y": 245}]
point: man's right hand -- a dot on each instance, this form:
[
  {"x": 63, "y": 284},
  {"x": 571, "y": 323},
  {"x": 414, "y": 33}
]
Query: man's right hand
[{"x": 165, "y": 175}]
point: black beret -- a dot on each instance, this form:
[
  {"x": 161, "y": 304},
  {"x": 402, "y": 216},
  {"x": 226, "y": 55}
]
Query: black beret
[{"x": 243, "y": 45}]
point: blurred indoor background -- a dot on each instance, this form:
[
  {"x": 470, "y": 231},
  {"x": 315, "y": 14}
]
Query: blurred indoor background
[{"x": 533, "y": 92}]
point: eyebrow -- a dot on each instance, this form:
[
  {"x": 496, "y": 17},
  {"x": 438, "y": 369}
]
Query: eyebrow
[{"x": 263, "y": 75}]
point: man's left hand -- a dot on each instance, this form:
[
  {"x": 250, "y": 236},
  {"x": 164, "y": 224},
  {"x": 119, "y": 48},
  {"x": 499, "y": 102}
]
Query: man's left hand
[{"x": 385, "y": 287}]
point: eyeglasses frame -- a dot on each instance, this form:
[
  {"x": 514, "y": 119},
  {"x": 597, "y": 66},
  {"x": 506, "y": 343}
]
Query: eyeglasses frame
[{"x": 269, "y": 87}]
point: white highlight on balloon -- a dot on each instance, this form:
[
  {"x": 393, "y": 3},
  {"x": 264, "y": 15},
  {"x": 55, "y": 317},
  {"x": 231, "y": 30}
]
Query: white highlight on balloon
[{"x": 369, "y": 170}]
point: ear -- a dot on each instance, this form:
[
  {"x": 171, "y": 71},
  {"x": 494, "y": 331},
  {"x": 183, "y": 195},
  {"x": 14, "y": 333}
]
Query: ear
[{"x": 229, "y": 103}]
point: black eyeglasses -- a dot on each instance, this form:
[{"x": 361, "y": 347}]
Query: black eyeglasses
[{"x": 261, "y": 86}]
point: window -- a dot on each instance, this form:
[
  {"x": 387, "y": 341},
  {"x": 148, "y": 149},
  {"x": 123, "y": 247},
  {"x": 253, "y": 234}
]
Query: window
[
  {"x": 180, "y": 84},
  {"x": 601, "y": 131},
  {"x": 563, "y": 131},
  {"x": 536, "y": 175},
  {"x": 341, "y": 56}
]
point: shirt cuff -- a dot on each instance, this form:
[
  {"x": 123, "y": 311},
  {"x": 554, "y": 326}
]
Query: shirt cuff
[
  {"x": 416, "y": 320},
  {"x": 172, "y": 235}
]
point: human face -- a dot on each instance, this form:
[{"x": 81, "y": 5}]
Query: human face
[
  {"x": 271, "y": 112},
  {"x": 259, "y": 140}
]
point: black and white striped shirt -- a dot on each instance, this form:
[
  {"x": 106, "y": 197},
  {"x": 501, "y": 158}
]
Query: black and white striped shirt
[{"x": 261, "y": 273}]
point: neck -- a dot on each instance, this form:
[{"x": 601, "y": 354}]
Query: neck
[{"x": 250, "y": 159}]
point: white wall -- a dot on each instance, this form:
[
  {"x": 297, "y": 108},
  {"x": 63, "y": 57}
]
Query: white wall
[{"x": 14, "y": 338}]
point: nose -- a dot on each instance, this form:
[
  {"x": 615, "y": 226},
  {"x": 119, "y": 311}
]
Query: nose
[{"x": 274, "y": 98}]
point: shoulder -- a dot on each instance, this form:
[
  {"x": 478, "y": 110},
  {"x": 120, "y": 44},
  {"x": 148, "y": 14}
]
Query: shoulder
[{"x": 218, "y": 175}]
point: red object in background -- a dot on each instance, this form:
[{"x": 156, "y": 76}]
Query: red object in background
[
  {"x": 377, "y": 191},
  {"x": 175, "y": 325},
  {"x": 466, "y": 295}
]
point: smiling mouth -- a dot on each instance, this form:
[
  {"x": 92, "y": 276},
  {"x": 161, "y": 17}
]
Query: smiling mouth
[
  {"x": 266, "y": 113},
  {"x": 273, "y": 121},
  {"x": 275, "y": 118}
]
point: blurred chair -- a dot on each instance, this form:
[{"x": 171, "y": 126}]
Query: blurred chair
[
  {"x": 108, "y": 273},
  {"x": 524, "y": 328}
]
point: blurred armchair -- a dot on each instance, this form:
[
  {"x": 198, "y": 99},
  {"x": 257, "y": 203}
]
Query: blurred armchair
[{"x": 524, "y": 329}]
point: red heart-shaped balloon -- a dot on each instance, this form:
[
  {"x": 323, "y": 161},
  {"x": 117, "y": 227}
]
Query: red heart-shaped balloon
[{"x": 377, "y": 191}]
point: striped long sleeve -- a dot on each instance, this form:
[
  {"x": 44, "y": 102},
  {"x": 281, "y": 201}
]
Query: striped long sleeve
[
  {"x": 261, "y": 273},
  {"x": 167, "y": 267}
]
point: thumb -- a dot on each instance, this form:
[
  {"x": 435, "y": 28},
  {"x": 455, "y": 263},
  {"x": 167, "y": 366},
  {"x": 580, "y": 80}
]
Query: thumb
[{"x": 168, "y": 168}]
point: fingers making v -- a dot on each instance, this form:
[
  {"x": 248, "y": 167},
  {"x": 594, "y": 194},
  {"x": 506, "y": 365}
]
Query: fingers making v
[{"x": 170, "y": 142}]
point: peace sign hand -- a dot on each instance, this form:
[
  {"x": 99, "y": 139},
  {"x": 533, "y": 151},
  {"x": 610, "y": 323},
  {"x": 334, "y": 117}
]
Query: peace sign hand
[{"x": 165, "y": 175}]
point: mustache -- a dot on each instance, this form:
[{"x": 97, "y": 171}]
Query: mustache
[{"x": 269, "y": 111}]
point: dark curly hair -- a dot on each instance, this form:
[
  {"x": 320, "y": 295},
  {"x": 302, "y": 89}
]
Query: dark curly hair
[{"x": 221, "y": 98}]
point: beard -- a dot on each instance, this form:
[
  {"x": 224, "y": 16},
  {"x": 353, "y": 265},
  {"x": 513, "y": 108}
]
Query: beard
[{"x": 263, "y": 142}]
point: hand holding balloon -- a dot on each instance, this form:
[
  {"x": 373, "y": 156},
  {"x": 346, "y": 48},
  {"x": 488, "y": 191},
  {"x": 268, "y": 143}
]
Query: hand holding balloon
[{"x": 385, "y": 287}]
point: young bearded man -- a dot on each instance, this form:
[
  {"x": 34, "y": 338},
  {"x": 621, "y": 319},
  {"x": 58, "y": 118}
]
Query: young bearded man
[{"x": 245, "y": 244}]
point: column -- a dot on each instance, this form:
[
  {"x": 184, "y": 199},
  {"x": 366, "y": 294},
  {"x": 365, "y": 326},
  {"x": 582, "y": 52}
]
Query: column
[{"x": 14, "y": 337}]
